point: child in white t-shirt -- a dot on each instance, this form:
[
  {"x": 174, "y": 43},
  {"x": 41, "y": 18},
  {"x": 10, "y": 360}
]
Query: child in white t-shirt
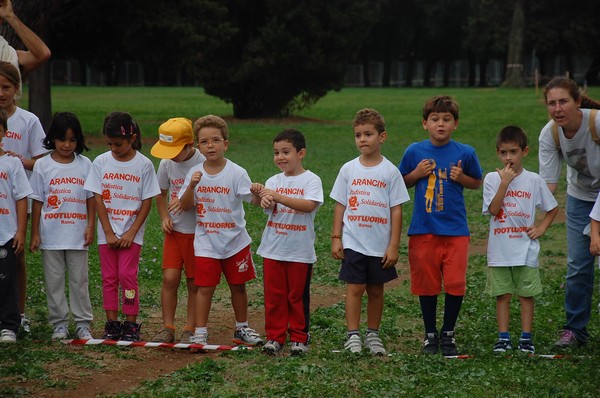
[
  {"x": 367, "y": 224},
  {"x": 24, "y": 140},
  {"x": 176, "y": 149},
  {"x": 511, "y": 196},
  {"x": 63, "y": 219},
  {"x": 291, "y": 200},
  {"x": 14, "y": 189},
  {"x": 123, "y": 182},
  {"x": 217, "y": 189}
]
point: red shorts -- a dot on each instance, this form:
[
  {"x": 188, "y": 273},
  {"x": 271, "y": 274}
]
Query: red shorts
[
  {"x": 178, "y": 252},
  {"x": 434, "y": 258},
  {"x": 238, "y": 269}
]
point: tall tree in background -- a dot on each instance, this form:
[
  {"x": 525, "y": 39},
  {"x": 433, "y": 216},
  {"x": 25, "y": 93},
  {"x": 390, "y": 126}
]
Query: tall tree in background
[
  {"x": 514, "y": 63},
  {"x": 281, "y": 55}
]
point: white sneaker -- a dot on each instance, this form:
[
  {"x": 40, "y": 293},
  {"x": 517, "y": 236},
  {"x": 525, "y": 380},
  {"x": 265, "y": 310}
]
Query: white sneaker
[
  {"x": 25, "y": 324},
  {"x": 83, "y": 333},
  {"x": 272, "y": 347},
  {"x": 247, "y": 336},
  {"x": 353, "y": 344},
  {"x": 60, "y": 332},
  {"x": 374, "y": 344},
  {"x": 8, "y": 336},
  {"x": 199, "y": 338},
  {"x": 298, "y": 348}
]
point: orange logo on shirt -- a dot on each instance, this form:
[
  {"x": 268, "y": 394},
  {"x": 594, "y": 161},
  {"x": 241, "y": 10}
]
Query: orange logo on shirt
[
  {"x": 53, "y": 201},
  {"x": 106, "y": 195},
  {"x": 200, "y": 210},
  {"x": 501, "y": 216},
  {"x": 353, "y": 202}
]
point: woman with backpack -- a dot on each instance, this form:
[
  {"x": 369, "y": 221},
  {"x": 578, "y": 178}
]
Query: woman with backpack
[{"x": 572, "y": 136}]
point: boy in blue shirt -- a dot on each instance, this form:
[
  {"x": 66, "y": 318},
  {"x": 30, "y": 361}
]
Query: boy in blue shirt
[{"x": 439, "y": 168}]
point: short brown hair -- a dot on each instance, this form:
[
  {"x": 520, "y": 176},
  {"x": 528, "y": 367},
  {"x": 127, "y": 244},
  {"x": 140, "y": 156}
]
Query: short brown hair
[
  {"x": 211, "y": 121},
  {"x": 439, "y": 104},
  {"x": 369, "y": 116},
  {"x": 4, "y": 120}
]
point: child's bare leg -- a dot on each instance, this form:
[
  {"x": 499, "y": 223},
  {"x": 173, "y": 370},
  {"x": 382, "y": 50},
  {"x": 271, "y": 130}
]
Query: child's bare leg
[
  {"x": 527, "y": 308},
  {"x": 168, "y": 295},
  {"x": 503, "y": 311},
  {"x": 204, "y": 297},
  {"x": 374, "y": 306},
  {"x": 354, "y": 293},
  {"x": 192, "y": 289},
  {"x": 112, "y": 315},
  {"x": 239, "y": 302}
]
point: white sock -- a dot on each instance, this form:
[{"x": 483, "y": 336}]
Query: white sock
[
  {"x": 239, "y": 325},
  {"x": 201, "y": 330}
]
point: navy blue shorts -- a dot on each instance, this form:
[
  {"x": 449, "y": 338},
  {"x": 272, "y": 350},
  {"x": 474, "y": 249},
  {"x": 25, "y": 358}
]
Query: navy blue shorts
[{"x": 361, "y": 269}]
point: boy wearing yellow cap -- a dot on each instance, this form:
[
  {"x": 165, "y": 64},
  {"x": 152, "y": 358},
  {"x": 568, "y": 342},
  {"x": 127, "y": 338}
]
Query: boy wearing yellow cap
[{"x": 176, "y": 149}]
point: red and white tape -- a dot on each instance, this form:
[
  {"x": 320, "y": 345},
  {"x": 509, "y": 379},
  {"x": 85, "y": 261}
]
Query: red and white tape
[{"x": 205, "y": 347}]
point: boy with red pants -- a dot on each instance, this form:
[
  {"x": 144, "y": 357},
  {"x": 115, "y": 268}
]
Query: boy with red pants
[{"x": 291, "y": 200}]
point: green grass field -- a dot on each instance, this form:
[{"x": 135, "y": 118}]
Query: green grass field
[{"x": 327, "y": 127}]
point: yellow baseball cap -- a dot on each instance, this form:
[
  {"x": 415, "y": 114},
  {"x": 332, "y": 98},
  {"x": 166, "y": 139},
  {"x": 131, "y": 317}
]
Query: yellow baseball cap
[{"x": 173, "y": 135}]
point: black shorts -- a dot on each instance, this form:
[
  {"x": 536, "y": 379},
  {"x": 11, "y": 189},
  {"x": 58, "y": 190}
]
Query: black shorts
[{"x": 361, "y": 269}]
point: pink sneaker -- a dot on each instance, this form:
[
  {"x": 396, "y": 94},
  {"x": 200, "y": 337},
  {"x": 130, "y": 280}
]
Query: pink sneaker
[{"x": 567, "y": 339}]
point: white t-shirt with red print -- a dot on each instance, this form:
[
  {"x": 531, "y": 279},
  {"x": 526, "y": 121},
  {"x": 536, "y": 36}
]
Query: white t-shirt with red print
[
  {"x": 368, "y": 194},
  {"x": 123, "y": 186},
  {"x": 171, "y": 176},
  {"x": 508, "y": 242},
  {"x": 25, "y": 135},
  {"x": 13, "y": 186},
  {"x": 59, "y": 186},
  {"x": 220, "y": 224},
  {"x": 289, "y": 234}
]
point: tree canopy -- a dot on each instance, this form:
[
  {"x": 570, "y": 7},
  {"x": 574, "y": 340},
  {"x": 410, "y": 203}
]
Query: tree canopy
[{"x": 269, "y": 57}]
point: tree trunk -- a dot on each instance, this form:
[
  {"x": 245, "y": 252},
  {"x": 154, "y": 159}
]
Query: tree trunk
[
  {"x": 40, "y": 99},
  {"x": 514, "y": 64}
]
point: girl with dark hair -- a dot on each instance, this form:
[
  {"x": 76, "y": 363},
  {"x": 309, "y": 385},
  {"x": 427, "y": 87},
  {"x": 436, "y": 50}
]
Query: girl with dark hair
[{"x": 123, "y": 182}]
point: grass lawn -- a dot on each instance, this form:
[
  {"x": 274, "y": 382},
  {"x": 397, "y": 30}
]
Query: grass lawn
[{"x": 30, "y": 366}]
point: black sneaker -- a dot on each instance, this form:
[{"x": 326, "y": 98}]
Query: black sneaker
[
  {"x": 526, "y": 345},
  {"x": 449, "y": 344},
  {"x": 502, "y": 345},
  {"x": 130, "y": 331},
  {"x": 431, "y": 343},
  {"x": 112, "y": 330}
]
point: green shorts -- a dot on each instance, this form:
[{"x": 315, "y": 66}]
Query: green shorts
[{"x": 523, "y": 281}]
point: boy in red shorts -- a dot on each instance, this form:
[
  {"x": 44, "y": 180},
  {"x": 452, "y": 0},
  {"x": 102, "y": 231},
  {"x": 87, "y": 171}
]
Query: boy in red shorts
[
  {"x": 176, "y": 149},
  {"x": 217, "y": 189},
  {"x": 439, "y": 168}
]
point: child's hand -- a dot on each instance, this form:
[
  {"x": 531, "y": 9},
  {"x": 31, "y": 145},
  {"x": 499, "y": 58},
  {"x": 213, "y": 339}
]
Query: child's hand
[
  {"x": 456, "y": 171},
  {"x": 390, "y": 258},
  {"x": 174, "y": 207},
  {"x": 167, "y": 225},
  {"x": 269, "y": 193},
  {"x": 507, "y": 174},
  {"x": 126, "y": 240},
  {"x": 34, "y": 243},
  {"x": 256, "y": 187},
  {"x": 88, "y": 236},
  {"x": 425, "y": 168},
  {"x": 595, "y": 246},
  {"x": 19, "y": 242},
  {"x": 535, "y": 232},
  {"x": 337, "y": 250},
  {"x": 196, "y": 177},
  {"x": 112, "y": 240},
  {"x": 266, "y": 202}
]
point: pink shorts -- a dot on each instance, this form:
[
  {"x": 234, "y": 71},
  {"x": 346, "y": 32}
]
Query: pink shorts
[
  {"x": 178, "y": 253},
  {"x": 434, "y": 259},
  {"x": 238, "y": 269}
]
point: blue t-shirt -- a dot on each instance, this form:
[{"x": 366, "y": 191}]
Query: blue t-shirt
[{"x": 439, "y": 204}]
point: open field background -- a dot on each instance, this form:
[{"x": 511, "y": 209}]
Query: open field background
[{"x": 35, "y": 366}]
